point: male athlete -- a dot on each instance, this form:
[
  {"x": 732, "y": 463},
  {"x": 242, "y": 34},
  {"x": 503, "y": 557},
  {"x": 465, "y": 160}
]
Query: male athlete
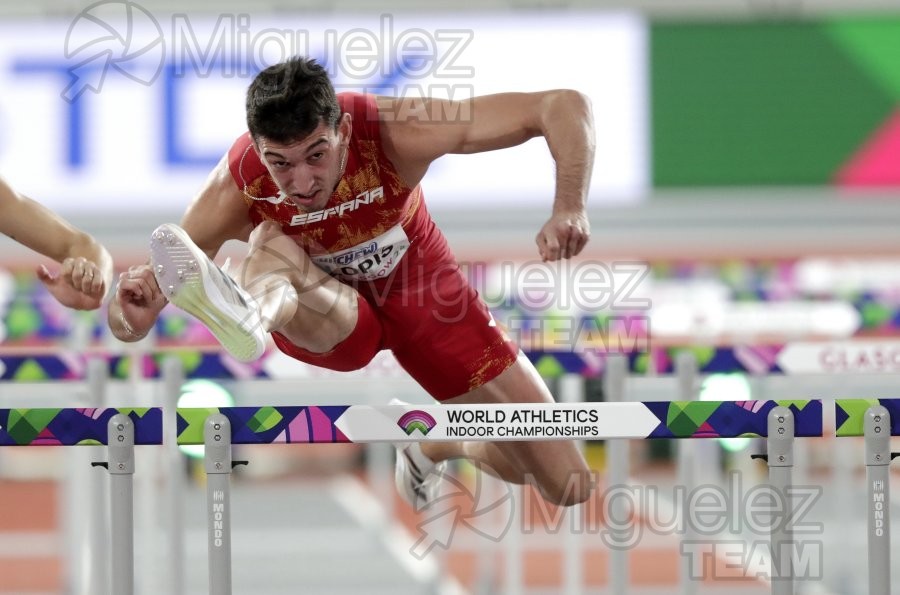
[
  {"x": 86, "y": 268},
  {"x": 344, "y": 259}
]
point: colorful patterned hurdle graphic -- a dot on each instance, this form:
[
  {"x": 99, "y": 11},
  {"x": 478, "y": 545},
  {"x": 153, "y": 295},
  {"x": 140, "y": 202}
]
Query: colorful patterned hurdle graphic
[
  {"x": 551, "y": 364},
  {"x": 72, "y": 366},
  {"x": 730, "y": 419},
  {"x": 838, "y": 357},
  {"x": 266, "y": 425},
  {"x": 370, "y": 423},
  {"x": 74, "y": 427},
  {"x": 850, "y": 415},
  {"x": 365, "y": 423}
]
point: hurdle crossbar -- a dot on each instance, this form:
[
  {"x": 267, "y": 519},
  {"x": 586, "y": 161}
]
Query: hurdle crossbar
[
  {"x": 119, "y": 429},
  {"x": 75, "y": 426},
  {"x": 853, "y": 356},
  {"x": 219, "y": 428},
  {"x": 585, "y": 421},
  {"x": 851, "y": 414}
]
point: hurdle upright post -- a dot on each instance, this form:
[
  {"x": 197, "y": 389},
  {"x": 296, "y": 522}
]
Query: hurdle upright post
[
  {"x": 617, "y": 453},
  {"x": 877, "y": 432},
  {"x": 217, "y": 462},
  {"x": 120, "y": 446},
  {"x": 780, "y": 458},
  {"x": 88, "y": 502},
  {"x": 173, "y": 379},
  {"x": 571, "y": 390},
  {"x": 686, "y": 372}
]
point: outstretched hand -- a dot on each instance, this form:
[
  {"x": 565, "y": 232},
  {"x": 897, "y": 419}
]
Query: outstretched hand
[
  {"x": 139, "y": 297},
  {"x": 79, "y": 283},
  {"x": 564, "y": 235}
]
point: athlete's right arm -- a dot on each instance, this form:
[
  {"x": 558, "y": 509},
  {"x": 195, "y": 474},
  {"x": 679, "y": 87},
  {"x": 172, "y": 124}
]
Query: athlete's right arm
[
  {"x": 86, "y": 274},
  {"x": 217, "y": 214}
]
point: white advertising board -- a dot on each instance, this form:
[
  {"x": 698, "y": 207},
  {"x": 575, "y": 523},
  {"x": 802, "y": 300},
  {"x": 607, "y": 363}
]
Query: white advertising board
[{"x": 120, "y": 110}]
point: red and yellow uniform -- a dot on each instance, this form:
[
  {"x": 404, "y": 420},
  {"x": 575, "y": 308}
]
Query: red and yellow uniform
[{"x": 376, "y": 235}]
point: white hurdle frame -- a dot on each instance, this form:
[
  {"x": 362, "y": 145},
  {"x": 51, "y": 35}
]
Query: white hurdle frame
[
  {"x": 877, "y": 432},
  {"x": 120, "y": 446},
  {"x": 217, "y": 433},
  {"x": 877, "y": 460},
  {"x": 617, "y": 463},
  {"x": 112, "y": 521}
]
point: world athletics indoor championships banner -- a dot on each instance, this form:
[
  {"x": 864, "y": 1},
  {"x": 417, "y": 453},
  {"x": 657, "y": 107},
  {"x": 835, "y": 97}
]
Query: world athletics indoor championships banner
[
  {"x": 811, "y": 102},
  {"x": 400, "y": 423}
]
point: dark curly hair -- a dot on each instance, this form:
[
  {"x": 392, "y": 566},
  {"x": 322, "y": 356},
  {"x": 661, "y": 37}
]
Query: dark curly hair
[{"x": 287, "y": 101}]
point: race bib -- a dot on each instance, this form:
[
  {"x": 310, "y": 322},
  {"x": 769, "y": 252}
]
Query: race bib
[{"x": 371, "y": 260}]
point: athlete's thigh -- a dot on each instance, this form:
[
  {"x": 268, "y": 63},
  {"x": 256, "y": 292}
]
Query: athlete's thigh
[
  {"x": 445, "y": 337},
  {"x": 554, "y": 464}
]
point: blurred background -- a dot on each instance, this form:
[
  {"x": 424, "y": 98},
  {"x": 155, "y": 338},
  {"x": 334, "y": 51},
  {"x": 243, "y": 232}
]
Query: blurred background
[{"x": 745, "y": 197}]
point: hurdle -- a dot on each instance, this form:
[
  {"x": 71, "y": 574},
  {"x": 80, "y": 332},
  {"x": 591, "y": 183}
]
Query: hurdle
[
  {"x": 760, "y": 361},
  {"x": 846, "y": 358},
  {"x": 156, "y": 371},
  {"x": 219, "y": 428},
  {"x": 790, "y": 358},
  {"x": 119, "y": 430}
]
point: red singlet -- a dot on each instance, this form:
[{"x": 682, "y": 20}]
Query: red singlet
[{"x": 376, "y": 235}]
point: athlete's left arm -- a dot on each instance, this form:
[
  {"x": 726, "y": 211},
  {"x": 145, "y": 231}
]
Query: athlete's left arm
[
  {"x": 86, "y": 268},
  {"x": 415, "y": 132}
]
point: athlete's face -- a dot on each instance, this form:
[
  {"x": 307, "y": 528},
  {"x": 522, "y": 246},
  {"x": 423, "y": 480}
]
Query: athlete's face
[{"x": 308, "y": 170}]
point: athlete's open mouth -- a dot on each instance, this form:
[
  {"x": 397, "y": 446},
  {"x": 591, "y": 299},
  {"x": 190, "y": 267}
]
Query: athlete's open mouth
[{"x": 305, "y": 199}]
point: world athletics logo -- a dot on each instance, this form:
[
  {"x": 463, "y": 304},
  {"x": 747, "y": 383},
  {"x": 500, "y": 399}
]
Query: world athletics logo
[{"x": 416, "y": 420}]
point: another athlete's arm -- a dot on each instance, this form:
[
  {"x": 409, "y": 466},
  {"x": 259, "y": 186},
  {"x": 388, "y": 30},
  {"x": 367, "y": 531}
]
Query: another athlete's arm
[
  {"x": 216, "y": 215},
  {"x": 87, "y": 269},
  {"x": 415, "y": 132}
]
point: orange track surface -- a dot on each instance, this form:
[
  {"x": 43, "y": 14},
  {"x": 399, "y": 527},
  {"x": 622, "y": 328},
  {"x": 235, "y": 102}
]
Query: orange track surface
[
  {"x": 35, "y": 506},
  {"x": 29, "y": 506}
]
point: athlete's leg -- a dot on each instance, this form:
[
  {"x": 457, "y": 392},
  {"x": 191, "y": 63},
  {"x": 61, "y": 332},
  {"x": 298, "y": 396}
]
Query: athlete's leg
[
  {"x": 557, "y": 467},
  {"x": 307, "y": 306},
  {"x": 288, "y": 295},
  {"x": 456, "y": 352}
]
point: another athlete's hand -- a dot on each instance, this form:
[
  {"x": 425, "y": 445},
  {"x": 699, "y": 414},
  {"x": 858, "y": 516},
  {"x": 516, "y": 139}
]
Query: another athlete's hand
[
  {"x": 140, "y": 299},
  {"x": 563, "y": 235},
  {"x": 78, "y": 284}
]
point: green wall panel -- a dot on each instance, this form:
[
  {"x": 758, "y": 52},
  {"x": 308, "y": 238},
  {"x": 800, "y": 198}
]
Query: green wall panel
[{"x": 761, "y": 103}]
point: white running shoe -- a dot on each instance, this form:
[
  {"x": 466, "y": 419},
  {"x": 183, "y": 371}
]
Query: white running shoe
[
  {"x": 193, "y": 282},
  {"x": 417, "y": 477}
]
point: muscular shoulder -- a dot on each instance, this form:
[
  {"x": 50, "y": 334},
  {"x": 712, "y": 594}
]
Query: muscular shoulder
[
  {"x": 219, "y": 212},
  {"x": 364, "y": 113},
  {"x": 406, "y": 134},
  {"x": 244, "y": 163}
]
